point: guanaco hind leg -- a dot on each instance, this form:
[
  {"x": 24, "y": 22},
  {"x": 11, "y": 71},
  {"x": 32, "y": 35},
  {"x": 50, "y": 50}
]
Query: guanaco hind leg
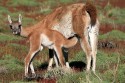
[
  {"x": 56, "y": 59},
  {"x": 65, "y": 54},
  {"x": 93, "y": 36},
  {"x": 86, "y": 47},
  {"x": 52, "y": 54},
  {"x": 58, "y": 50}
]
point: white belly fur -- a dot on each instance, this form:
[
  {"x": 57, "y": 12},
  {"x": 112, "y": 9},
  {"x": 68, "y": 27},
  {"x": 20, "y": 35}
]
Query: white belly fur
[{"x": 46, "y": 42}]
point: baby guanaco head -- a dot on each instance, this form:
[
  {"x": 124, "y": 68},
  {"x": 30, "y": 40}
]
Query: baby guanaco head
[{"x": 15, "y": 26}]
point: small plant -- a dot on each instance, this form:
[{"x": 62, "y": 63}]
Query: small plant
[{"x": 55, "y": 73}]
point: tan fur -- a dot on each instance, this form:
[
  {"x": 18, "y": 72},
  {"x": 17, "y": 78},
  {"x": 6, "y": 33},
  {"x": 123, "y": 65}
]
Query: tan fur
[{"x": 83, "y": 15}]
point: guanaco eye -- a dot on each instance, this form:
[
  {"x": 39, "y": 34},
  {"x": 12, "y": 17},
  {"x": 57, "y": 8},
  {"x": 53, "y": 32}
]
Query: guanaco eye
[
  {"x": 20, "y": 25},
  {"x": 11, "y": 26}
]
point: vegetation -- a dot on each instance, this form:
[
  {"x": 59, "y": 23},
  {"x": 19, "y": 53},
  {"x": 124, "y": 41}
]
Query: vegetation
[
  {"x": 13, "y": 49},
  {"x": 114, "y": 34},
  {"x": 111, "y": 15}
]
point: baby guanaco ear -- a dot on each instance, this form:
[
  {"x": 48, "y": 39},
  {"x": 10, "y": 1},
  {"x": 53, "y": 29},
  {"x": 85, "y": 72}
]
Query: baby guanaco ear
[
  {"x": 20, "y": 19},
  {"x": 9, "y": 19}
]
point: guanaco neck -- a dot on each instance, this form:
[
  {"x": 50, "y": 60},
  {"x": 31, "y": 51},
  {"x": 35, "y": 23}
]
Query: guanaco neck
[{"x": 25, "y": 32}]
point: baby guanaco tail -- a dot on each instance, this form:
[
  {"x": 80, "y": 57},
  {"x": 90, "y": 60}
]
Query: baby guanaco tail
[{"x": 72, "y": 41}]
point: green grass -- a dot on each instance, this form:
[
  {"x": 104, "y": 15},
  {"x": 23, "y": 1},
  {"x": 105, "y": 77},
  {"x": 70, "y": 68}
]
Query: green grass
[
  {"x": 113, "y": 35},
  {"x": 17, "y": 47},
  {"x": 49, "y": 3},
  {"x": 3, "y": 10},
  {"x": 12, "y": 53},
  {"x": 28, "y": 21},
  {"x": 80, "y": 56},
  {"x": 5, "y": 37},
  {"x": 66, "y": 1},
  {"x": 111, "y": 15},
  {"x": 30, "y": 3},
  {"x": 11, "y": 63}
]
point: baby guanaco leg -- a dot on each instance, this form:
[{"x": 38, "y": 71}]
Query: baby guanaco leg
[{"x": 34, "y": 48}]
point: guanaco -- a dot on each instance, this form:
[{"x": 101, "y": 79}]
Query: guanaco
[{"x": 40, "y": 37}]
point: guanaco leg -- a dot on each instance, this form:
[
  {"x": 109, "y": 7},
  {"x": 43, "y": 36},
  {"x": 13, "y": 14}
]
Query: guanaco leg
[{"x": 34, "y": 48}]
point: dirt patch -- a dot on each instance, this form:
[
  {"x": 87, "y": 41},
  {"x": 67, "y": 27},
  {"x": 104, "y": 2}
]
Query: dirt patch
[
  {"x": 104, "y": 28},
  {"x": 50, "y": 80},
  {"x": 4, "y": 2}
]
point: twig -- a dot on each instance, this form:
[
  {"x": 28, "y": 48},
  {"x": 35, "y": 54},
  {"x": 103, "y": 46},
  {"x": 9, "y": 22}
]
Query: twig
[{"x": 116, "y": 70}]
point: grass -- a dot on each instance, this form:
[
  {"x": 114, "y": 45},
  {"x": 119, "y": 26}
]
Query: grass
[
  {"x": 30, "y": 3},
  {"x": 5, "y": 37},
  {"x": 66, "y": 1},
  {"x": 11, "y": 63},
  {"x": 12, "y": 54},
  {"x": 111, "y": 15},
  {"x": 114, "y": 35},
  {"x": 3, "y": 10},
  {"x": 21, "y": 82}
]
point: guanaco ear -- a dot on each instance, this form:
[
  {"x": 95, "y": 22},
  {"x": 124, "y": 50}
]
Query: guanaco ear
[
  {"x": 20, "y": 18},
  {"x": 9, "y": 19}
]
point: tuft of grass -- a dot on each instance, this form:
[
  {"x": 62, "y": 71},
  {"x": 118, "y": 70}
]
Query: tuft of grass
[
  {"x": 55, "y": 73},
  {"x": 114, "y": 34}
]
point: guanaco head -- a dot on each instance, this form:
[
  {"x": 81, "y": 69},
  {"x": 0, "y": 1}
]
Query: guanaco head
[{"x": 15, "y": 26}]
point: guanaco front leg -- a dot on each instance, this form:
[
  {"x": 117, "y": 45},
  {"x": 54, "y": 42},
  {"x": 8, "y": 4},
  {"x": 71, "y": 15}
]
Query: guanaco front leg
[{"x": 34, "y": 48}]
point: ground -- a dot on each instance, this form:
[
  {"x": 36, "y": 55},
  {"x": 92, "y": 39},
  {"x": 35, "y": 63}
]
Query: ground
[{"x": 111, "y": 47}]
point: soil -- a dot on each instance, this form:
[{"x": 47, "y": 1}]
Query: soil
[{"x": 103, "y": 29}]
